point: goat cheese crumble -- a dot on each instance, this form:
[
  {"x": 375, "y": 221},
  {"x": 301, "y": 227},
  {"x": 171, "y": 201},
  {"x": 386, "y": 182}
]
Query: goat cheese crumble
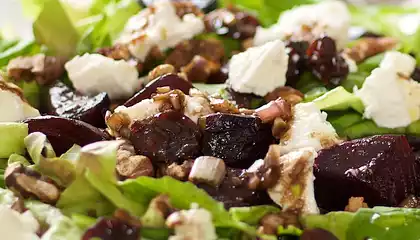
[
  {"x": 390, "y": 96},
  {"x": 93, "y": 73},
  {"x": 160, "y": 27},
  {"x": 14, "y": 108},
  {"x": 309, "y": 128},
  {"x": 331, "y": 18},
  {"x": 259, "y": 70},
  {"x": 16, "y": 226}
]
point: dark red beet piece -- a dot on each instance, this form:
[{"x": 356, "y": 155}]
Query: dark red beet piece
[
  {"x": 166, "y": 137},
  {"x": 325, "y": 61},
  {"x": 112, "y": 229},
  {"x": 381, "y": 169},
  {"x": 238, "y": 140},
  {"x": 63, "y": 133},
  {"x": 234, "y": 191},
  {"x": 231, "y": 22},
  {"x": 65, "y": 102},
  {"x": 297, "y": 61},
  {"x": 171, "y": 80},
  {"x": 244, "y": 100}
]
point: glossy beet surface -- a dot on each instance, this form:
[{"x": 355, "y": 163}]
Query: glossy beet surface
[
  {"x": 112, "y": 229},
  {"x": 231, "y": 22},
  {"x": 64, "y": 102},
  {"x": 171, "y": 80},
  {"x": 325, "y": 62},
  {"x": 64, "y": 132},
  {"x": 234, "y": 192},
  {"x": 381, "y": 169},
  {"x": 297, "y": 61},
  {"x": 166, "y": 137},
  {"x": 238, "y": 140}
]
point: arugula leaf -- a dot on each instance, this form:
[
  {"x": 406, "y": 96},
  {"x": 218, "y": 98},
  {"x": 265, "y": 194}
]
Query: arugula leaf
[
  {"x": 252, "y": 215},
  {"x": 339, "y": 99},
  {"x": 11, "y": 138}
]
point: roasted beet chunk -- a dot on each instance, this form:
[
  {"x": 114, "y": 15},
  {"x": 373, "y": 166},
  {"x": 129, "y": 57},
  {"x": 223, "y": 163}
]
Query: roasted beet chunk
[
  {"x": 238, "y": 140},
  {"x": 231, "y": 22},
  {"x": 64, "y": 102},
  {"x": 171, "y": 80},
  {"x": 325, "y": 61},
  {"x": 64, "y": 132},
  {"x": 112, "y": 229},
  {"x": 381, "y": 169},
  {"x": 166, "y": 137},
  {"x": 234, "y": 191},
  {"x": 297, "y": 61}
]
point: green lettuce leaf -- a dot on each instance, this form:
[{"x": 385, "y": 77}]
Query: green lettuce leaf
[
  {"x": 414, "y": 128},
  {"x": 338, "y": 99},
  {"x": 369, "y": 128},
  {"x": 12, "y": 138},
  {"x": 335, "y": 222},
  {"x": 18, "y": 158},
  {"x": 31, "y": 92},
  {"x": 252, "y": 215},
  {"x": 25, "y": 47}
]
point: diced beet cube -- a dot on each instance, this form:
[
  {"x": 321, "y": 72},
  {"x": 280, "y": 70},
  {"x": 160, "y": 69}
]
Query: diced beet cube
[
  {"x": 381, "y": 169},
  {"x": 238, "y": 140}
]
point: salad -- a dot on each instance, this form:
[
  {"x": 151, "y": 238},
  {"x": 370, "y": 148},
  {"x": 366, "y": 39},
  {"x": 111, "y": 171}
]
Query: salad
[{"x": 211, "y": 120}]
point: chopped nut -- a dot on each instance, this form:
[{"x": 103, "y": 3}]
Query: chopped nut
[
  {"x": 279, "y": 128},
  {"x": 210, "y": 170},
  {"x": 160, "y": 71},
  {"x": 410, "y": 202},
  {"x": 186, "y": 7},
  {"x": 261, "y": 176},
  {"x": 223, "y": 106},
  {"x": 27, "y": 183},
  {"x": 117, "y": 52},
  {"x": 199, "y": 69},
  {"x": 274, "y": 109},
  {"x": 271, "y": 222},
  {"x": 116, "y": 122},
  {"x": 124, "y": 216},
  {"x": 179, "y": 172},
  {"x": 247, "y": 43},
  {"x": 289, "y": 94},
  {"x": 129, "y": 166},
  {"x": 355, "y": 203},
  {"x": 159, "y": 209},
  {"x": 44, "y": 69},
  {"x": 368, "y": 47}
]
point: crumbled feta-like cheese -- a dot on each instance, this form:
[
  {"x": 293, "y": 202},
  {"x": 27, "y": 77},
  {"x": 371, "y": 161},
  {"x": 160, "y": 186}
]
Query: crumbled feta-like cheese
[
  {"x": 193, "y": 224},
  {"x": 142, "y": 110},
  {"x": 160, "y": 27},
  {"x": 390, "y": 97},
  {"x": 196, "y": 107},
  {"x": 330, "y": 18},
  {"x": 295, "y": 188},
  {"x": 401, "y": 63},
  {"x": 15, "y": 226},
  {"x": 309, "y": 128},
  {"x": 93, "y": 73},
  {"x": 259, "y": 70},
  {"x": 14, "y": 108}
]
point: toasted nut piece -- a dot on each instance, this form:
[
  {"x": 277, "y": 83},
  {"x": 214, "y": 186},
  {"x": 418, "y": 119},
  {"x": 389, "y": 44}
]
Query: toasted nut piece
[
  {"x": 186, "y": 7},
  {"x": 279, "y": 128},
  {"x": 274, "y": 109},
  {"x": 199, "y": 69},
  {"x": 159, "y": 209},
  {"x": 247, "y": 43},
  {"x": 368, "y": 47},
  {"x": 160, "y": 71},
  {"x": 223, "y": 106},
  {"x": 134, "y": 166},
  {"x": 210, "y": 170},
  {"x": 270, "y": 222},
  {"x": 355, "y": 203},
  {"x": 179, "y": 172},
  {"x": 117, "y": 52},
  {"x": 125, "y": 216},
  {"x": 410, "y": 202},
  {"x": 28, "y": 183},
  {"x": 289, "y": 94}
]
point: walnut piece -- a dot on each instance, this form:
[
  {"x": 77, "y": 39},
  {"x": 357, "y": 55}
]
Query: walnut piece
[{"x": 355, "y": 203}]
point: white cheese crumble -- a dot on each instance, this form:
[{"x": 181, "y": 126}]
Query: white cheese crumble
[
  {"x": 331, "y": 18},
  {"x": 142, "y": 110},
  {"x": 196, "y": 106},
  {"x": 13, "y": 108},
  {"x": 259, "y": 70},
  {"x": 390, "y": 97},
  {"x": 295, "y": 188},
  {"x": 159, "y": 27},
  {"x": 93, "y": 73},
  {"x": 16, "y": 226},
  {"x": 193, "y": 224},
  {"x": 309, "y": 128}
]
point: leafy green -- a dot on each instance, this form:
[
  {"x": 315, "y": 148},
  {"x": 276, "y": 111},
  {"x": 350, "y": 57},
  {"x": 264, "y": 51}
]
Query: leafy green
[
  {"x": 155, "y": 233},
  {"x": 11, "y": 138},
  {"x": 18, "y": 158},
  {"x": 31, "y": 92},
  {"x": 25, "y": 47},
  {"x": 339, "y": 99},
  {"x": 82, "y": 221},
  {"x": 252, "y": 215},
  {"x": 414, "y": 128},
  {"x": 380, "y": 223},
  {"x": 209, "y": 88},
  {"x": 307, "y": 82},
  {"x": 343, "y": 120},
  {"x": 54, "y": 29},
  {"x": 369, "y": 128}
]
